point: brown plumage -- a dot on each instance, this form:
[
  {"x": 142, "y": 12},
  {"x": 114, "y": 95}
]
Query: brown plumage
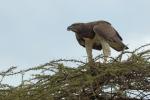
[{"x": 97, "y": 35}]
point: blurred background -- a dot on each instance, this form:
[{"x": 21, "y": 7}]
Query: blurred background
[{"x": 33, "y": 32}]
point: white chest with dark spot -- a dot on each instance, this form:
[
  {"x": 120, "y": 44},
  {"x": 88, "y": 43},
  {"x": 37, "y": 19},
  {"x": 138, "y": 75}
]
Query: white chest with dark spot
[{"x": 98, "y": 40}]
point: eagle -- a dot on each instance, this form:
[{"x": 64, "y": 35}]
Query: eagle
[{"x": 98, "y": 35}]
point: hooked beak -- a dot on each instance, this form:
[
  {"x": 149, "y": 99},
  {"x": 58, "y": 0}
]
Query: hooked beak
[{"x": 69, "y": 28}]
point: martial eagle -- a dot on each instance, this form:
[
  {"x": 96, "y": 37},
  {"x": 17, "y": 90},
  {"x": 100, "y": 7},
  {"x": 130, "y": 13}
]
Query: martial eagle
[{"x": 97, "y": 35}]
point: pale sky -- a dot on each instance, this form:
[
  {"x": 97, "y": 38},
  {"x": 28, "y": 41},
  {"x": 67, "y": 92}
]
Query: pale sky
[{"x": 33, "y": 32}]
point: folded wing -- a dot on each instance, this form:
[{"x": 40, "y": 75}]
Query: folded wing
[{"x": 106, "y": 31}]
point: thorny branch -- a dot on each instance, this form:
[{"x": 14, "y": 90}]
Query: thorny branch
[{"x": 55, "y": 80}]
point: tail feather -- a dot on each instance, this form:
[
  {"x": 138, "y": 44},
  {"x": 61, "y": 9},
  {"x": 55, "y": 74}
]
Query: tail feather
[{"x": 118, "y": 46}]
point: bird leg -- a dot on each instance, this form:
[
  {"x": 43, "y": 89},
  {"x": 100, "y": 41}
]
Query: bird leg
[
  {"x": 106, "y": 50},
  {"x": 91, "y": 64},
  {"x": 88, "y": 46}
]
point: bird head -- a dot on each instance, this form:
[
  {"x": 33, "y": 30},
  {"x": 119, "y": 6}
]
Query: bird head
[{"x": 76, "y": 27}]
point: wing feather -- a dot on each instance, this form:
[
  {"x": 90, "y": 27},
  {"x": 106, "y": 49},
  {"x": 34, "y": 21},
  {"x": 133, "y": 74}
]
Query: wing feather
[
  {"x": 110, "y": 35},
  {"x": 81, "y": 41}
]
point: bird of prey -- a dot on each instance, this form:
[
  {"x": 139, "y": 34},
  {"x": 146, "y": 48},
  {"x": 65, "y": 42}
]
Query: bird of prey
[{"x": 97, "y": 35}]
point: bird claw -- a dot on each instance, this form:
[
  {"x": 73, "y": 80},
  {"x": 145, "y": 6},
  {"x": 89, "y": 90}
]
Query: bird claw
[{"x": 93, "y": 69}]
